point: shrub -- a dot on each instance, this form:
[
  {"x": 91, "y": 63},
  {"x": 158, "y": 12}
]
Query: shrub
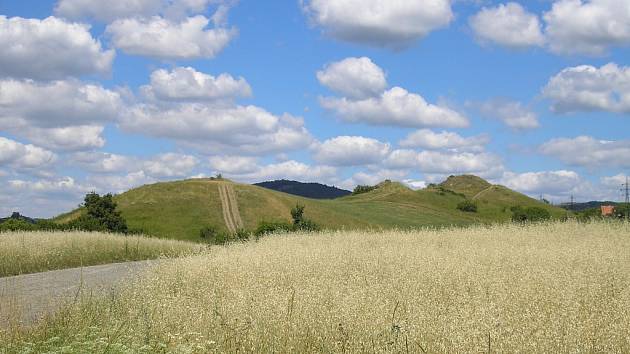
[
  {"x": 208, "y": 232},
  {"x": 530, "y": 214},
  {"x": 307, "y": 225},
  {"x": 297, "y": 214},
  {"x": 266, "y": 228},
  {"x": 363, "y": 189},
  {"x": 17, "y": 225},
  {"x": 467, "y": 206}
]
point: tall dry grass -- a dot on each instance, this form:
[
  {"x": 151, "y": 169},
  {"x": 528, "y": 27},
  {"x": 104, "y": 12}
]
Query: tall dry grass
[
  {"x": 30, "y": 252},
  {"x": 559, "y": 287}
]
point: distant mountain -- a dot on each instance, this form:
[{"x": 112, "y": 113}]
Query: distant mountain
[
  {"x": 584, "y": 206},
  {"x": 17, "y": 216},
  {"x": 307, "y": 190}
]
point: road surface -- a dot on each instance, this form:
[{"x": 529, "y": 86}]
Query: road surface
[{"x": 26, "y": 298}]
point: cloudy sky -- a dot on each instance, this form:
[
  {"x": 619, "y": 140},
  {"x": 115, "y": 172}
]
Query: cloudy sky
[{"x": 109, "y": 95}]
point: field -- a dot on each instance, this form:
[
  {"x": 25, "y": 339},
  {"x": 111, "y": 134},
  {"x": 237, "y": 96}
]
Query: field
[
  {"x": 30, "y": 252},
  {"x": 181, "y": 209},
  {"x": 557, "y": 287}
]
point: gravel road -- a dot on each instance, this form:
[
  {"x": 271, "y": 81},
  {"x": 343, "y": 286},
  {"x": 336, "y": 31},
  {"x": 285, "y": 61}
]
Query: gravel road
[{"x": 26, "y": 298}]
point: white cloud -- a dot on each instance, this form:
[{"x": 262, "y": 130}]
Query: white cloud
[
  {"x": 49, "y": 49},
  {"x": 511, "y": 113},
  {"x": 441, "y": 162},
  {"x": 170, "y": 165},
  {"x": 73, "y": 138},
  {"x": 166, "y": 39},
  {"x": 428, "y": 139},
  {"x": 239, "y": 129},
  {"x": 119, "y": 183},
  {"x": 291, "y": 169},
  {"x": 55, "y": 104},
  {"x": 351, "y": 151},
  {"x": 396, "y": 107},
  {"x": 589, "y": 152},
  {"x": 614, "y": 182},
  {"x": 560, "y": 182},
  {"x": 234, "y": 165},
  {"x": 415, "y": 184},
  {"x": 382, "y": 23},
  {"x": 110, "y": 10},
  {"x": 107, "y": 11},
  {"x": 18, "y": 156},
  {"x": 587, "y": 88},
  {"x": 587, "y": 27},
  {"x": 357, "y": 78},
  {"x": 509, "y": 25},
  {"x": 187, "y": 84}
]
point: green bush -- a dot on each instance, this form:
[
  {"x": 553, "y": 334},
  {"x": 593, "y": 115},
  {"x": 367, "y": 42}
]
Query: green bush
[
  {"x": 266, "y": 228},
  {"x": 467, "y": 206},
  {"x": 363, "y": 189},
  {"x": 208, "y": 232},
  {"x": 17, "y": 225},
  {"x": 530, "y": 214}
]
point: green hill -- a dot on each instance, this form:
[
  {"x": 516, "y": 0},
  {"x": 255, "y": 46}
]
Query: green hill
[{"x": 180, "y": 209}]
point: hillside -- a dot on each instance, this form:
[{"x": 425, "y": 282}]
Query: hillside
[
  {"x": 586, "y": 205},
  {"x": 180, "y": 209},
  {"x": 307, "y": 190}
]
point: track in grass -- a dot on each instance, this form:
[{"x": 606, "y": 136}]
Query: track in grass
[{"x": 231, "y": 214}]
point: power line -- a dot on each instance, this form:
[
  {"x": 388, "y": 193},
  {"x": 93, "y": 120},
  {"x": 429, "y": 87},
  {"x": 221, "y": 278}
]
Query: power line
[{"x": 626, "y": 190}]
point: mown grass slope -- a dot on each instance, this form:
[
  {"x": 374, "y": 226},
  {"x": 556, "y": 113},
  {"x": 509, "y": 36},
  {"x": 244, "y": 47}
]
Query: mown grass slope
[
  {"x": 543, "y": 288},
  {"x": 180, "y": 209}
]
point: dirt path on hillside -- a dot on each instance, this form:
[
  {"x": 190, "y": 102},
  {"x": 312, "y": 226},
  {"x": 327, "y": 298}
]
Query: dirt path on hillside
[
  {"x": 229, "y": 204},
  {"x": 24, "y": 299},
  {"x": 478, "y": 195}
]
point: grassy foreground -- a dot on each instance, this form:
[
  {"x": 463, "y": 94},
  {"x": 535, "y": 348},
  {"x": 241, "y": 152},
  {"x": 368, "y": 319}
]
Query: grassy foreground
[
  {"x": 559, "y": 287},
  {"x": 31, "y": 252}
]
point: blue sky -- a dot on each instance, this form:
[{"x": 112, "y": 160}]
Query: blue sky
[{"x": 532, "y": 95}]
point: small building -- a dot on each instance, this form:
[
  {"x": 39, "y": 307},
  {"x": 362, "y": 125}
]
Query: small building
[{"x": 608, "y": 210}]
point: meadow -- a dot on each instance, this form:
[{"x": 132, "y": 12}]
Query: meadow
[
  {"x": 555, "y": 287},
  {"x": 31, "y": 252}
]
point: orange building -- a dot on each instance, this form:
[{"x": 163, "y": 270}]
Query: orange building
[{"x": 608, "y": 210}]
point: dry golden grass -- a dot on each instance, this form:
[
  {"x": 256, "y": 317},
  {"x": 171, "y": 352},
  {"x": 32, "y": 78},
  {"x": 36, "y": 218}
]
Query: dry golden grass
[
  {"x": 560, "y": 287},
  {"x": 30, "y": 252}
]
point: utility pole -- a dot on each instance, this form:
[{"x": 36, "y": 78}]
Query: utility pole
[
  {"x": 572, "y": 202},
  {"x": 626, "y": 191}
]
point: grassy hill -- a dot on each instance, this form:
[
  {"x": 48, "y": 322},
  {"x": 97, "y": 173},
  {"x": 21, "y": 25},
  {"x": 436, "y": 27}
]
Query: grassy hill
[{"x": 180, "y": 209}]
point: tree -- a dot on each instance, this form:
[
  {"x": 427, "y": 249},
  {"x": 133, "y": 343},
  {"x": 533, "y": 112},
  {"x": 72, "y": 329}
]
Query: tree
[
  {"x": 297, "y": 214},
  {"x": 101, "y": 215}
]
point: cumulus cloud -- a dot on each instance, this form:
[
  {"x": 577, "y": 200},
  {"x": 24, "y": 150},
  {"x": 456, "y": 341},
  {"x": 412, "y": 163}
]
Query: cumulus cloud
[
  {"x": 589, "y": 152},
  {"x": 511, "y": 113},
  {"x": 613, "y": 182},
  {"x": 108, "y": 11},
  {"x": 372, "y": 177},
  {"x": 187, "y": 84},
  {"x": 428, "y": 139},
  {"x": 234, "y": 165},
  {"x": 160, "y": 166},
  {"x": 119, "y": 183},
  {"x": 290, "y": 169},
  {"x": 73, "y": 138},
  {"x": 546, "y": 182},
  {"x": 587, "y": 26},
  {"x": 170, "y": 165},
  {"x": 508, "y": 25},
  {"x": 357, "y": 78},
  {"x": 55, "y": 104},
  {"x": 240, "y": 129},
  {"x": 396, "y": 107},
  {"x": 381, "y": 23},
  {"x": 351, "y": 151},
  {"x": 587, "y": 88},
  {"x": 18, "y": 156},
  {"x": 162, "y": 38},
  {"x": 446, "y": 162},
  {"x": 27, "y": 50}
]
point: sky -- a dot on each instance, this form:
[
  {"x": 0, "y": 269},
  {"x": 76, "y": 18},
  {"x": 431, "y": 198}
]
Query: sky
[{"x": 107, "y": 96}]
